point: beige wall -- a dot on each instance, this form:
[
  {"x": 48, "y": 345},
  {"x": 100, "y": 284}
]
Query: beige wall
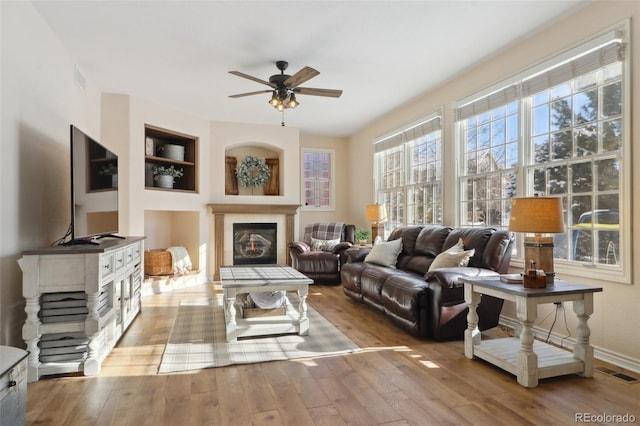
[
  {"x": 39, "y": 100},
  {"x": 616, "y": 313}
]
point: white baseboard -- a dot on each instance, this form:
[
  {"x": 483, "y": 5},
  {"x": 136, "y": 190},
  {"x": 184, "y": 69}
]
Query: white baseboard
[{"x": 602, "y": 354}]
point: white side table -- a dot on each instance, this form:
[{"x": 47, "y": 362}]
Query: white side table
[{"x": 524, "y": 357}]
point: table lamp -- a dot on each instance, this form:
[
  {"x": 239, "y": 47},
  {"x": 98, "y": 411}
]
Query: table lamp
[
  {"x": 376, "y": 213},
  {"x": 537, "y": 215}
]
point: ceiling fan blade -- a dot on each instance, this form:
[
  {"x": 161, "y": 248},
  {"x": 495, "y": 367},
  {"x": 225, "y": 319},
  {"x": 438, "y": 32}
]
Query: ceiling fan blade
[
  {"x": 241, "y": 95},
  {"x": 332, "y": 93},
  {"x": 250, "y": 77},
  {"x": 300, "y": 77}
]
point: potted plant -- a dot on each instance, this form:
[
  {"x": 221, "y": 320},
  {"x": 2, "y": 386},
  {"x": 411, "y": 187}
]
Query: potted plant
[
  {"x": 164, "y": 177},
  {"x": 362, "y": 236},
  {"x": 110, "y": 169}
]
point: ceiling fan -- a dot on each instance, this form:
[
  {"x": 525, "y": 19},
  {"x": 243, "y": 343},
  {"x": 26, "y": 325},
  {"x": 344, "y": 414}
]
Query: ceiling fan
[{"x": 284, "y": 87}]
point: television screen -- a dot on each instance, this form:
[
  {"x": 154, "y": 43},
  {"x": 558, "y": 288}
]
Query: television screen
[{"x": 94, "y": 189}]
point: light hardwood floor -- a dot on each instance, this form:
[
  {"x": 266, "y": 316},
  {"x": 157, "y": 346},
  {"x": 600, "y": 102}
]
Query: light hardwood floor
[{"x": 395, "y": 380}]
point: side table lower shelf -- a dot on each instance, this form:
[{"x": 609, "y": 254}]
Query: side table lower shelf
[{"x": 551, "y": 360}]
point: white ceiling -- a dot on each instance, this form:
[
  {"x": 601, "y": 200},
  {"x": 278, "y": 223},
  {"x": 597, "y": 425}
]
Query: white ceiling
[{"x": 380, "y": 53}]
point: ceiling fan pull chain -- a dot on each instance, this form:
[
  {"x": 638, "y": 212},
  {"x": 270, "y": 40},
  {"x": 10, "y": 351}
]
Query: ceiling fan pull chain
[{"x": 282, "y": 118}]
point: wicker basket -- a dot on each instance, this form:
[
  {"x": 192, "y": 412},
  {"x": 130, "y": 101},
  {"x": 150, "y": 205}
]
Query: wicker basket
[{"x": 157, "y": 262}]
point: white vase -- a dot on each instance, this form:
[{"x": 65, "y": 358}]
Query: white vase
[{"x": 164, "y": 181}]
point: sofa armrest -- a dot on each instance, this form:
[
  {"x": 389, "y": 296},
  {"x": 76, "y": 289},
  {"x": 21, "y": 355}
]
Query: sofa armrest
[
  {"x": 299, "y": 247},
  {"x": 449, "y": 277},
  {"x": 356, "y": 254},
  {"x": 446, "y": 300}
]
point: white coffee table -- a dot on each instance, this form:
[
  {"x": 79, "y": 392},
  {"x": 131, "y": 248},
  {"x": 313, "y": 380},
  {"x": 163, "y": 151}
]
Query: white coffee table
[{"x": 260, "y": 278}]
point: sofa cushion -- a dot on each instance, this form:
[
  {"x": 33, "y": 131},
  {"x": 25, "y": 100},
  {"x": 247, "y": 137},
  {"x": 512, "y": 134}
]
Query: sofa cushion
[
  {"x": 451, "y": 259},
  {"x": 385, "y": 254},
  {"x": 474, "y": 238},
  {"x": 421, "y": 244}
]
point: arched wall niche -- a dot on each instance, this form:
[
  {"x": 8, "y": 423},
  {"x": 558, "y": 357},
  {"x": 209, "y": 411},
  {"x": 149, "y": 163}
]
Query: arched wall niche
[{"x": 274, "y": 156}]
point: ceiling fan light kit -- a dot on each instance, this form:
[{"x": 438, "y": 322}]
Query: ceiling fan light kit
[{"x": 284, "y": 86}]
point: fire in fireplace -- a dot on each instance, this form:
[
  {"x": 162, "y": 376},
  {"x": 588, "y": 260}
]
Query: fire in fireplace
[{"x": 254, "y": 243}]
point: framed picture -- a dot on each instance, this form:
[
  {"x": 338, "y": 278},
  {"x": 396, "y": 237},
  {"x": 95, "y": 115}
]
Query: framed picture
[{"x": 149, "y": 148}]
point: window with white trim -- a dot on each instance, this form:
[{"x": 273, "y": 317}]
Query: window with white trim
[
  {"x": 558, "y": 130},
  {"x": 317, "y": 179},
  {"x": 409, "y": 173}
]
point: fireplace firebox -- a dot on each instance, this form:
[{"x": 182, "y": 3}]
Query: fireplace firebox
[{"x": 255, "y": 243}]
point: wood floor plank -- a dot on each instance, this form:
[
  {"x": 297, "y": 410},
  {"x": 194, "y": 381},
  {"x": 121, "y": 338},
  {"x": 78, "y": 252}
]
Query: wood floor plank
[{"x": 395, "y": 380}]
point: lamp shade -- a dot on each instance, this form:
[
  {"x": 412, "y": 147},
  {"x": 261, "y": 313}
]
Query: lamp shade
[
  {"x": 536, "y": 215},
  {"x": 376, "y": 212}
]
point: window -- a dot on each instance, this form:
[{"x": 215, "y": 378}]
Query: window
[
  {"x": 558, "y": 130},
  {"x": 317, "y": 179},
  {"x": 490, "y": 159},
  {"x": 409, "y": 174}
]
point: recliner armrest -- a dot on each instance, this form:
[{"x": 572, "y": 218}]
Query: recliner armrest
[
  {"x": 340, "y": 247},
  {"x": 299, "y": 247}
]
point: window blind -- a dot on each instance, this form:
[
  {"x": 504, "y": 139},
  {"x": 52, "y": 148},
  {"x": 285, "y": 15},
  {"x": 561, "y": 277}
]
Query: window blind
[
  {"x": 411, "y": 133},
  {"x": 487, "y": 103},
  {"x": 590, "y": 61}
]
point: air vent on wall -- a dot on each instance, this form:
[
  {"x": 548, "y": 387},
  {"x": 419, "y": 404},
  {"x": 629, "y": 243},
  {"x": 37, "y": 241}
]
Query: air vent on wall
[{"x": 78, "y": 78}]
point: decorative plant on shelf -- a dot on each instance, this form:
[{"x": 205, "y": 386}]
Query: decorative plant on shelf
[
  {"x": 165, "y": 176},
  {"x": 252, "y": 171},
  {"x": 108, "y": 170},
  {"x": 168, "y": 171},
  {"x": 362, "y": 235}
]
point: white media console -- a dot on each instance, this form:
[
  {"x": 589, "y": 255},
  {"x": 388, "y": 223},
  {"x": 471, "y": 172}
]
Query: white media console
[{"x": 79, "y": 301}]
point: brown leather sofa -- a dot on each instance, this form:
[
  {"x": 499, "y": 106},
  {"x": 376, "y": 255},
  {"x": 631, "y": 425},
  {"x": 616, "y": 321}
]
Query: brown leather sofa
[
  {"x": 323, "y": 267},
  {"x": 430, "y": 303}
]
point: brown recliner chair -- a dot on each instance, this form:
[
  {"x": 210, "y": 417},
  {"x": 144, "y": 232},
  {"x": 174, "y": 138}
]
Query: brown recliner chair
[{"x": 319, "y": 256}]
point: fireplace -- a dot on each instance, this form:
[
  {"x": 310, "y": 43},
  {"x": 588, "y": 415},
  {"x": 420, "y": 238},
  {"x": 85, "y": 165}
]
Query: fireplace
[{"x": 255, "y": 243}]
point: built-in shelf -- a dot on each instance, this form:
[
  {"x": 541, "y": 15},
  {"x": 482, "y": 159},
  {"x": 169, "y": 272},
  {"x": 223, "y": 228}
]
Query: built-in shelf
[{"x": 161, "y": 147}]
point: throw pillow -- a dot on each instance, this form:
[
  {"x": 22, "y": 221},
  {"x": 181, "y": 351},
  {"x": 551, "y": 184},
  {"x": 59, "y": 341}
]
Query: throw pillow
[
  {"x": 457, "y": 248},
  {"x": 385, "y": 253},
  {"x": 447, "y": 259},
  {"x": 323, "y": 245}
]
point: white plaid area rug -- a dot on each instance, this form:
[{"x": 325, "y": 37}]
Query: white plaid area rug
[{"x": 198, "y": 340}]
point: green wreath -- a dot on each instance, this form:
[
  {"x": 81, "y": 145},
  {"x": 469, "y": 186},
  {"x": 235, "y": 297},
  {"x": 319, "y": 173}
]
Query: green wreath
[{"x": 252, "y": 172}]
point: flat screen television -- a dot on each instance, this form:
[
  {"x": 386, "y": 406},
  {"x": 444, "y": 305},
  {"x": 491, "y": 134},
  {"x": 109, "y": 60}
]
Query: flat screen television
[{"x": 94, "y": 190}]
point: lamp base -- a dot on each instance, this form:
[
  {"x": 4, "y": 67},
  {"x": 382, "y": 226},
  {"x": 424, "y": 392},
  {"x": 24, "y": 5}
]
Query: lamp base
[
  {"x": 540, "y": 251},
  {"x": 377, "y": 229}
]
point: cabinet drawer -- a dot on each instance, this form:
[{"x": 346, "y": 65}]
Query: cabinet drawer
[
  {"x": 119, "y": 259},
  {"x": 137, "y": 252},
  {"x": 107, "y": 265}
]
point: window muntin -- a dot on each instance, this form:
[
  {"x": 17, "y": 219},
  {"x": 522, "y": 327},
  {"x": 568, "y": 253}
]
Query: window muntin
[{"x": 317, "y": 179}]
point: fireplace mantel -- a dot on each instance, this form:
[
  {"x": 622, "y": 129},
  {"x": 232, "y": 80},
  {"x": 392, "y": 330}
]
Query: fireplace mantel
[
  {"x": 219, "y": 210},
  {"x": 254, "y": 208}
]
